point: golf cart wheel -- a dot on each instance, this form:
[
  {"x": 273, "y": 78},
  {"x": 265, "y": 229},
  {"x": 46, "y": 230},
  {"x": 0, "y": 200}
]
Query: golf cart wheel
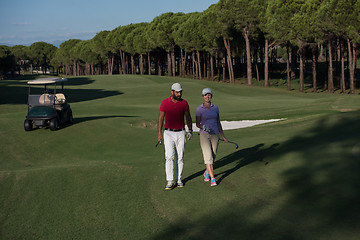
[
  {"x": 28, "y": 126},
  {"x": 71, "y": 117},
  {"x": 53, "y": 124}
]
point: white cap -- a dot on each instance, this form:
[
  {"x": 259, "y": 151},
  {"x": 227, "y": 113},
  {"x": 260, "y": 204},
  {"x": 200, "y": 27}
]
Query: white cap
[
  {"x": 206, "y": 91},
  {"x": 176, "y": 87}
]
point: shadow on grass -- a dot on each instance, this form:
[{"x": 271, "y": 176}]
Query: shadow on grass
[
  {"x": 87, "y": 119},
  {"x": 241, "y": 158},
  {"x": 16, "y": 92},
  {"x": 318, "y": 197}
]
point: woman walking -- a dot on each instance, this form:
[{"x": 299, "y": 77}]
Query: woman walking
[{"x": 208, "y": 121}]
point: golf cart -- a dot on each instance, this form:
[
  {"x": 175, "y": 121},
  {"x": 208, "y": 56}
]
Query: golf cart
[{"x": 49, "y": 108}]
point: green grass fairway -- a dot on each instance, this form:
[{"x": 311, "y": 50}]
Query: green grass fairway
[{"x": 103, "y": 178}]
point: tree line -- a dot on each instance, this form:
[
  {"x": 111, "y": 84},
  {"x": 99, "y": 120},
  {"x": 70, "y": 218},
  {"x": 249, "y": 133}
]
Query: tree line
[{"x": 231, "y": 39}]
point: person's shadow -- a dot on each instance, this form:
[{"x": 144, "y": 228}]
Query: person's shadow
[{"x": 242, "y": 157}]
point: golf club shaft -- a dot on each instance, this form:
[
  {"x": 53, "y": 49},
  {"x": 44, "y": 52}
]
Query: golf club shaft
[
  {"x": 158, "y": 143},
  {"x": 236, "y": 145}
]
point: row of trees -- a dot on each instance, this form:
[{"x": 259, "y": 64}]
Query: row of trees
[{"x": 231, "y": 39}]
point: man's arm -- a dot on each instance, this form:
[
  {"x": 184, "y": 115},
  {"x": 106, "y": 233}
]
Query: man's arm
[
  {"x": 160, "y": 125},
  {"x": 189, "y": 134},
  {"x": 188, "y": 120}
]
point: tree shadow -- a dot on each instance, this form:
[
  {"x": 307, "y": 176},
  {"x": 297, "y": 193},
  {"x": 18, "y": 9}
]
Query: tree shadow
[
  {"x": 83, "y": 95},
  {"x": 327, "y": 182},
  {"x": 87, "y": 119},
  {"x": 79, "y": 81},
  {"x": 318, "y": 196},
  {"x": 16, "y": 92},
  {"x": 243, "y": 157}
]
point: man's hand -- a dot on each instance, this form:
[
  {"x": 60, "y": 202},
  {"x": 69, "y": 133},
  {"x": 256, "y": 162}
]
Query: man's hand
[
  {"x": 206, "y": 128},
  {"x": 189, "y": 135},
  {"x": 159, "y": 138}
]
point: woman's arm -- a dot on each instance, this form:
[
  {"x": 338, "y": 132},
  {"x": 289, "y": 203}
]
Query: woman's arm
[{"x": 220, "y": 129}]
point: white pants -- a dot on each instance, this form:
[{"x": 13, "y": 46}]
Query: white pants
[{"x": 174, "y": 143}]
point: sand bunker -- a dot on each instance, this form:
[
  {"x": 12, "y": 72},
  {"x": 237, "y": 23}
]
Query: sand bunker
[{"x": 228, "y": 125}]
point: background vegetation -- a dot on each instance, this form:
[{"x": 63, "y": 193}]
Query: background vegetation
[{"x": 233, "y": 40}]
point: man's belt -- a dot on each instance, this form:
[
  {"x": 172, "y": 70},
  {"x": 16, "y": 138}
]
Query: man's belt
[{"x": 175, "y": 130}]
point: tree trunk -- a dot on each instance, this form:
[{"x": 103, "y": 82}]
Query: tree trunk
[
  {"x": 352, "y": 59},
  {"x": 74, "y": 69},
  {"x": 173, "y": 58},
  {"x": 184, "y": 64},
  {"x": 205, "y": 66},
  {"x": 229, "y": 62},
  {"x": 123, "y": 62},
  {"x": 257, "y": 72},
  {"x": 354, "y": 67},
  {"x": 199, "y": 64},
  {"x": 127, "y": 70},
  {"x": 78, "y": 68},
  {"x": 159, "y": 68},
  {"x": 337, "y": 80},
  {"x": 212, "y": 67},
  {"x": 301, "y": 56},
  {"x": 132, "y": 64},
  {"x": 121, "y": 70},
  {"x": 342, "y": 59},
  {"x": 149, "y": 63},
  {"x": 330, "y": 77},
  {"x": 321, "y": 54},
  {"x": 169, "y": 63},
  {"x": 288, "y": 68},
  {"x": 293, "y": 62},
  {"x": 110, "y": 64},
  {"x": 266, "y": 70},
  {"x": 248, "y": 55},
  {"x": 224, "y": 71},
  {"x": 141, "y": 64},
  {"x": 181, "y": 63},
  {"x": 194, "y": 66},
  {"x": 314, "y": 71}
]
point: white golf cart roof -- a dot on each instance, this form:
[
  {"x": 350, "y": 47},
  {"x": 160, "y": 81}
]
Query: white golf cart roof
[{"x": 46, "y": 81}]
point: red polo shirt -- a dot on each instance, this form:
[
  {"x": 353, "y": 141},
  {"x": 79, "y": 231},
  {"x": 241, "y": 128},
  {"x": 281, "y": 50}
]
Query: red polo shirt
[{"x": 174, "y": 113}]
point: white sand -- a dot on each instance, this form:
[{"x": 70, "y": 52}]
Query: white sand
[{"x": 228, "y": 125}]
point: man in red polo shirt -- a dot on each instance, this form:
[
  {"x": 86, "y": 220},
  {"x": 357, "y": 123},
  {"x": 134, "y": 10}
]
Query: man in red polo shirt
[{"x": 174, "y": 109}]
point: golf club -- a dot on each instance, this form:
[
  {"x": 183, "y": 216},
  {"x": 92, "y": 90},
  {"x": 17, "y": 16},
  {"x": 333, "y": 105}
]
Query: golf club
[
  {"x": 158, "y": 143},
  {"x": 236, "y": 145}
]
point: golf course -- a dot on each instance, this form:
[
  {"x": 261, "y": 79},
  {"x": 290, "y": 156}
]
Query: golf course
[{"x": 102, "y": 177}]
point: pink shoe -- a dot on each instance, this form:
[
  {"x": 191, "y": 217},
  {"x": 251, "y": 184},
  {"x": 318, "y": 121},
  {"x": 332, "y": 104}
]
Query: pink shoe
[
  {"x": 206, "y": 176},
  {"x": 213, "y": 182}
]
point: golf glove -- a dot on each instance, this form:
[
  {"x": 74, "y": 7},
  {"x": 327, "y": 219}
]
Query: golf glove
[
  {"x": 189, "y": 135},
  {"x": 206, "y": 128}
]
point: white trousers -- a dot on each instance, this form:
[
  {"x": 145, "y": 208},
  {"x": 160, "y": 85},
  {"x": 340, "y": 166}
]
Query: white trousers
[{"x": 174, "y": 143}]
